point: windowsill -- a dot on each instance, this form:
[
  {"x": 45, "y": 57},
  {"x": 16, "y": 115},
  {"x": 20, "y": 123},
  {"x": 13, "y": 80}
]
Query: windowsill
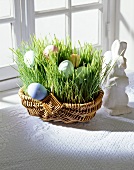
[{"x": 9, "y": 98}]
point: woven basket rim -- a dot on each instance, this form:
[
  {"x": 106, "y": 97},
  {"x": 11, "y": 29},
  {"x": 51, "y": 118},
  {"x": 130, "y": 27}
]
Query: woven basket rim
[
  {"x": 97, "y": 99},
  {"x": 51, "y": 109}
]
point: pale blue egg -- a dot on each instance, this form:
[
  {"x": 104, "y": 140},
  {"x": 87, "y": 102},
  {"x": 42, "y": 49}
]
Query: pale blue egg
[
  {"x": 66, "y": 67},
  {"x": 37, "y": 91},
  {"x": 80, "y": 71}
]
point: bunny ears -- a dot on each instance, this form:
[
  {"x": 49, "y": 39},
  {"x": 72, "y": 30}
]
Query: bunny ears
[{"x": 117, "y": 49}]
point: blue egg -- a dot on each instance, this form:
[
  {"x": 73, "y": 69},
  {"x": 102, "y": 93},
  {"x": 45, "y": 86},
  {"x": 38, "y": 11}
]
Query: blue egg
[{"x": 37, "y": 91}]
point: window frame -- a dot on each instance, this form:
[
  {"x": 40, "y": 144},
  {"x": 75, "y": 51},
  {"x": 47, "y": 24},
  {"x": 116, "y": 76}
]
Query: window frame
[
  {"x": 68, "y": 10},
  {"x": 7, "y": 73},
  {"x": 23, "y": 24}
]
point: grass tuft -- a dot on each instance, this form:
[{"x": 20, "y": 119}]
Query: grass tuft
[{"x": 80, "y": 87}]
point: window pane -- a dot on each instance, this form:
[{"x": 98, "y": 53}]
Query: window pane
[
  {"x": 5, "y": 44},
  {"x": 80, "y": 2},
  {"x": 50, "y": 25},
  {"x": 85, "y": 26},
  {"x": 5, "y": 8},
  {"x": 48, "y": 4}
]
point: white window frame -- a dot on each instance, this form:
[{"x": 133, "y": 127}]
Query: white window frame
[
  {"x": 110, "y": 23},
  {"x": 23, "y": 21},
  {"x": 72, "y": 9},
  {"x": 7, "y": 73}
]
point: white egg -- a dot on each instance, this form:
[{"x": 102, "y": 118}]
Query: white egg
[{"x": 29, "y": 58}]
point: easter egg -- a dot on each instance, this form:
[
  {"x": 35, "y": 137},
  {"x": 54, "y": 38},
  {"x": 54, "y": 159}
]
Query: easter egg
[
  {"x": 80, "y": 70},
  {"x": 48, "y": 49},
  {"x": 80, "y": 73},
  {"x": 37, "y": 91},
  {"x": 29, "y": 58},
  {"x": 75, "y": 59},
  {"x": 66, "y": 67}
]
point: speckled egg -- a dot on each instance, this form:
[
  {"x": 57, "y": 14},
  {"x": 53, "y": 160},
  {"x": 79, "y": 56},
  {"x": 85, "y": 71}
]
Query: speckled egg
[
  {"x": 48, "y": 49},
  {"x": 37, "y": 91},
  {"x": 29, "y": 58},
  {"x": 67, "y": 67}
]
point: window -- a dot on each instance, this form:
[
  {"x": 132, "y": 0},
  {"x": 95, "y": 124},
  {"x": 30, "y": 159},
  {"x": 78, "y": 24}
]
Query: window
[
  {"x": 10, "y": 35},
  {"x": 81, "y": 20},
  {"x": 84, "y": 20}
]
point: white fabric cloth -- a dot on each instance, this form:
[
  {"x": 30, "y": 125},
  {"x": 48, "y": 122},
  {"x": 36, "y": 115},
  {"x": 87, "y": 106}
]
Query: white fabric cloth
[{"x": 105, "y": 143}]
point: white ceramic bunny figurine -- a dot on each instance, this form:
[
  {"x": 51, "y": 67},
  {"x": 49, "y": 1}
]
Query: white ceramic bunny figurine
[{"x": 115, "y": 100}]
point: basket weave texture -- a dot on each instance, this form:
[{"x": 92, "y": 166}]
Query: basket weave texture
[{"x": 51, "y": 109}]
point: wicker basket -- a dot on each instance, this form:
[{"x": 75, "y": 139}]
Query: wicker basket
[{"x": 51, "y": 109}]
